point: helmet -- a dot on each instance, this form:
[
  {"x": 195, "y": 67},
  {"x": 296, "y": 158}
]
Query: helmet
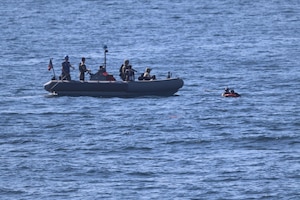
[
  {"x": 148, "y": 69},
  {"x": 66, "y": 57}
]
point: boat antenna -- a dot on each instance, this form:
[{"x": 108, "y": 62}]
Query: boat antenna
[{"x": 105, "y": 51}]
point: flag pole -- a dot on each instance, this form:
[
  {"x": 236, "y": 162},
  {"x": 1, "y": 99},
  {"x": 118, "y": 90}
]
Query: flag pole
[{"x": 50, "y": 66}]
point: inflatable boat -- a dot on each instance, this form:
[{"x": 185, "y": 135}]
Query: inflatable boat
[{"x": 103, "y": 88}]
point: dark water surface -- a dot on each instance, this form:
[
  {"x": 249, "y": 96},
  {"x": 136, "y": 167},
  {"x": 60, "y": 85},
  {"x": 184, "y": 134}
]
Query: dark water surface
[{"x": 194, "y": 145}]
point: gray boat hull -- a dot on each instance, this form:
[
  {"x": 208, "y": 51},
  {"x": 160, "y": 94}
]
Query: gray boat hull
[{"x": 167, "y": 87}]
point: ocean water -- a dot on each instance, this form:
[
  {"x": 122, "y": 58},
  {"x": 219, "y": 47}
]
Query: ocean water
[{"x": 193, "y": 145}]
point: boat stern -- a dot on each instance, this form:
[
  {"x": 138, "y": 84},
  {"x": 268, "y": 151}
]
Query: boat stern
[{"x": 48, "y": 86}]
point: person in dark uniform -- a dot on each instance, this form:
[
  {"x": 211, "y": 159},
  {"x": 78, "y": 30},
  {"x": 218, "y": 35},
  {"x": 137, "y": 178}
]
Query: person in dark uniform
[
  {"x": 82, "y": 69},
  {"x": 65, "y": 73}
]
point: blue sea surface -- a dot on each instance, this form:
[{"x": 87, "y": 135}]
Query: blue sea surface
[{"x": 193, "y": 145}]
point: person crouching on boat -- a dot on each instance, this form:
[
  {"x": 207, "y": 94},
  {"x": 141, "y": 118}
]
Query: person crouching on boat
[
  {"x": 65, "y": 72},
  {"x": 147, "y": 75},
  {"x": 101, "y": 74},
  {"x": 82, "y": 69}
]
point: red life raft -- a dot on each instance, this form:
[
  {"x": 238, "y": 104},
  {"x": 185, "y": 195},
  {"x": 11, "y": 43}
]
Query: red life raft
[{"x": 231, "y": 95}]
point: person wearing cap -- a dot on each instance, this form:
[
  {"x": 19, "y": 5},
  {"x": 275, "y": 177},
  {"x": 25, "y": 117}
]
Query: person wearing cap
[
  {"x": 65, "y": 73},
  {"x": 82, "y": 69}
]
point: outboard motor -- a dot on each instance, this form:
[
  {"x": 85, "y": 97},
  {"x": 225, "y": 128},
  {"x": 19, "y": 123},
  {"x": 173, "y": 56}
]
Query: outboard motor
[{"x": 169, "y": 75}]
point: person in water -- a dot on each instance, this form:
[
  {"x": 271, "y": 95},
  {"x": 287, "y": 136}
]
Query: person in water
[
  {"x": 226, "y": 90},
  {"x": 65, "y": 73},
  {"x": 82, "y": 69},
  {"x": 230, "y": 93},
  {"x": 125, "y": 66}
]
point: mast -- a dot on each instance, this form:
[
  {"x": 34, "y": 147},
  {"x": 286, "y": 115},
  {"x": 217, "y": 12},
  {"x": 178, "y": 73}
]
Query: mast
[{"x": 105, "y": 51}]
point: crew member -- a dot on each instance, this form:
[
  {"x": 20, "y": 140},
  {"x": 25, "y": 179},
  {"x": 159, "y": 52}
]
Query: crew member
[
  {"x": 65, "y": 74},
  {"x": 82, "y": 69}
]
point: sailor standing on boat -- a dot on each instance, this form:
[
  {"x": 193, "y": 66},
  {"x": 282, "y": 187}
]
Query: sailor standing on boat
[
  {"x": 82, "y": 69},
  {"x": 65, "y": 73},
  {"x": 123, "y": 69},
  {"x": 129, "y": 74}
]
